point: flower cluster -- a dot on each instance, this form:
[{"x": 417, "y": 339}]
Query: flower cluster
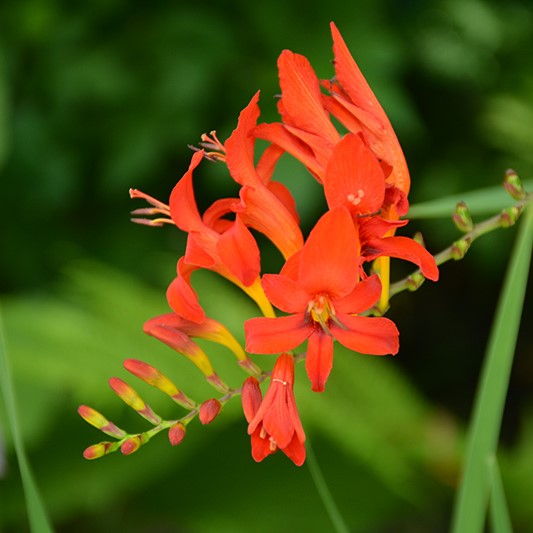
[{"x": 332, "y": 281}]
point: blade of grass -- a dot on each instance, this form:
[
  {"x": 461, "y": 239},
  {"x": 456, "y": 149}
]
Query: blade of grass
[
  {"x": 480, "y": 202},
  {"x": 38, "y": 519},
  {"x": 471, "y": 501},
  {"x": 499, "y": 514}
]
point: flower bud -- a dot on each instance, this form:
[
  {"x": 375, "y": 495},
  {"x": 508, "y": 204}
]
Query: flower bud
[
  {"x": 462, "y": 218},
  {"x": 509, "y": 216},
  {"x": 209, "y": 410},
  {"x": 98, "y": 450},
  {"x": 153, "y": 377},
  {"x": 460, "y": 247},
  {"x": 131, "y": 445},
  {"x": 99, "y": 421},
  {"x": 513, "y": 185},
  {"x": 176, "y": 433},
  {"x": 415, "y": 281}
]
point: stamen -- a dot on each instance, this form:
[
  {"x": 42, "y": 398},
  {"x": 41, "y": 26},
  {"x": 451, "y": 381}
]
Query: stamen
[
  {"x": 356, "y": 199},
  {"x": 279, "y": 381},
  {"x": 159, "y": 208}
]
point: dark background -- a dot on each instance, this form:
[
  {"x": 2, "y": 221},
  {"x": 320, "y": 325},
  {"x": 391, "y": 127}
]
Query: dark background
[{"x": 102, "y": 96}]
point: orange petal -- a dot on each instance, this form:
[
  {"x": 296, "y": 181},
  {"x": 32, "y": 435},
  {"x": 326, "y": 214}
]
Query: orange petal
[
  {"x": 319, "y": 359},
  {"x": 274, "y": 335},
  {"x": 301, "y": 97},
  {"x": 403, "y": 248},
  {"x": 354, "y": 177},
  {"x": 365, "y": 294},
  {"x": 368, "y": 335},
  {"x": 239, "y": 252},
  {"x": 329, "y": 260},
  {"x": 285, "y": 294}
]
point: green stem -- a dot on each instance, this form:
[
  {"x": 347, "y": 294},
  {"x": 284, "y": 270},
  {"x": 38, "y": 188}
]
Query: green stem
[
  {"x": 458, "y": 249},
  {"x": 324, "y": 492},
  {"x": 471, "y": 502},
  {"x": 37, "y": 514}
]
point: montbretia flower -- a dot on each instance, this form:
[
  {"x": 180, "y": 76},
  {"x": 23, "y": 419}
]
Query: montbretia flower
[
  {"x": 227, "y": 246},
  {"x": 273, "y": 422},
  {"x": 308, "y": 133},
  {"x": 322, "y": 291},
  {"x": 355, "y": 179}
]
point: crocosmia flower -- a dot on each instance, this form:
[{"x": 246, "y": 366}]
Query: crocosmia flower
[
  {"x": 274, "y": 421},
  {"x": 321, "y": 290}
]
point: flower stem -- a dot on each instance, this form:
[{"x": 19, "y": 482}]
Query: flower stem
[
  {"x": 324, "y": 492},
  {"x": 458, "y": 249}
]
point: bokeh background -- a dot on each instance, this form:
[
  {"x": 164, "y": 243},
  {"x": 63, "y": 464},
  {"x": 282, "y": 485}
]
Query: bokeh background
[{"x": 101, "y": 96}]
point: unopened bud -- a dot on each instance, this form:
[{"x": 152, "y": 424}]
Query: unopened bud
[
  {"x": 209, "y": 410},
  {"x": 99, "y": 450},
  {"x": 99, "y": 421},
  {"x": 509, "y": 216},
  {"x": 513, "y": 185},
  {"x": 130, "y": 397},
  {"x": 462, "y": 218},
  {"x": 131, "y": 445},
  {"x": 176, "y": 433},
  {"x": 459, "y": 248},
  {"x": 414, "y": 281}
]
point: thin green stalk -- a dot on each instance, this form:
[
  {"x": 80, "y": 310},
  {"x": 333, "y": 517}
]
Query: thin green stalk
[
  {"x": 324, "y": 492},
  {"x": 471, "y": 502},
  {"x": 458, "y": 249},
  {"x": 39, "y": 522},
  {"x": 499, "y": 513}
]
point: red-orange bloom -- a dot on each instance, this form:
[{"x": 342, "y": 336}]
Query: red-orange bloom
[
  {"x": 274, "y": 421},
  {"x": 354, "y": 178},
  {"x": 320, "y": 289}
]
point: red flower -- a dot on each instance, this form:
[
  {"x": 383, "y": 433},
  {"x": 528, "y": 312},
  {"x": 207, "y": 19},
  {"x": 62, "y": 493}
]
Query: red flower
[
  {"x": 354, "y": 178},
  {"x": 320, "y": 289},
  {"x": 353, "y": 102},
  {"x": 274, "y": 421}
]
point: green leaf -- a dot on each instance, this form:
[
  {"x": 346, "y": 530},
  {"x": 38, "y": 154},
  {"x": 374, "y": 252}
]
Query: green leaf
[
  {"x": 501, "y": 522},
  {"x": 480, "y": 202},
  {"x": 471, "y": 501},
  {"x": 37, "y": 515}
]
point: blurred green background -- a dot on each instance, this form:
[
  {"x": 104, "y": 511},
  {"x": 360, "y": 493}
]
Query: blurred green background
[{"x": 99, "y": 97}]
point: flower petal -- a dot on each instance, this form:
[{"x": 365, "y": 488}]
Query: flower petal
[
  {"x": 369, "y": 335},
  {"x": 319, "y": 359},
  {"x": 251, "y": 398},
  {"x": 354, "y": 177},
  {"x": 295, "y": 451},
  {"x": 365, "y": 294},
  {"x": 274, "y": 335},
  {"x": 355, "y": 86},
  {"x": 284, "y": 293},
  {"x": 329, "y": 260},
  {"x": 240, "y": 146},
  {"x": 403, "y": 248},
  {"x": 262, "y": 210},
  {"x": 301, "y": 97},
  {"x": 239, "y": 252},
  {"x": 279, "y": 135},
  {"x": 183, "y": 208},
  {"x": 181, "y": 296}
]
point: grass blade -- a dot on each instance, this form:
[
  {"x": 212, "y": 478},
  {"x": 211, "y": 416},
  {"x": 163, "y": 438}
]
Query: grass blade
[
  {"x": 39, "y": 522},
  {"x": 499, "y": 514},
  {"x": 480, "y": 202},
  {"x": 471, "y": 502}
]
